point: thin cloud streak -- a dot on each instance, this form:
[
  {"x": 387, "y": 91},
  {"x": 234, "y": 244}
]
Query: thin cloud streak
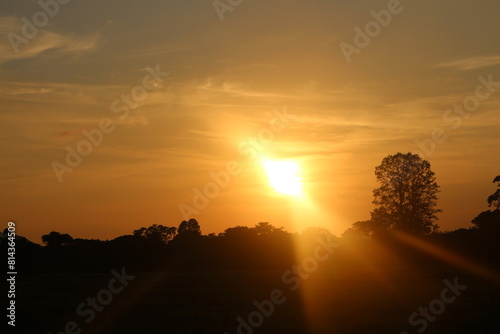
[{"x": 472, "y": 63}]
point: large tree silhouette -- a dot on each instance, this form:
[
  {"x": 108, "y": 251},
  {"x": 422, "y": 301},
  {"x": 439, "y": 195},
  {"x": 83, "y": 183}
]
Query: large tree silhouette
[{"x": 407, "y": 197}]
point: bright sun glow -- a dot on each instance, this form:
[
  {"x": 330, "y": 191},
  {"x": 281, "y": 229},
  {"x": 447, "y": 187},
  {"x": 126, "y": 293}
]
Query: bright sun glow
[{"x": 284, "y": 176}]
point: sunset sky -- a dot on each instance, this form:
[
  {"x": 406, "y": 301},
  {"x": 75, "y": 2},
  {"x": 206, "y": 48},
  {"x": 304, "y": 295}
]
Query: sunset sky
[{"x": 227, "y": 81}]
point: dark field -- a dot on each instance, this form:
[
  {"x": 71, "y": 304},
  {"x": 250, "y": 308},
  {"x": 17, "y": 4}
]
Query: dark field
[{"x": 330, "y": 300}]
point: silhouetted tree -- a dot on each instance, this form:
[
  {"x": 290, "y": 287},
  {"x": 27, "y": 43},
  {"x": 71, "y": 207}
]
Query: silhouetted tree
[
  {"x": 313, "y": 232},
  {"x": 490, "y": 220},
  {"x": 264, "y": 228},
  {"x": 188, "y": 235},
  {"x": 239, "y": 232},
  {"x": 56, "y": 239},
  {"x": 360, "y": 230},
  {"x": 406, "y": 199},
  {"x": 487, "y": 220},
  {"x": 158, "y": 234},
  {"x": 189, "y": 226},
  {"x": 494, "y": 199}
]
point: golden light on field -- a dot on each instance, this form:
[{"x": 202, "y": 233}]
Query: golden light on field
[{"x": 284, "y": 176}]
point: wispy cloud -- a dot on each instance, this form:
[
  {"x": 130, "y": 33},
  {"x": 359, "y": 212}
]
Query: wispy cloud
[
  {"x": 472, "y": 63},
  {"x": 45, "y": 40}
]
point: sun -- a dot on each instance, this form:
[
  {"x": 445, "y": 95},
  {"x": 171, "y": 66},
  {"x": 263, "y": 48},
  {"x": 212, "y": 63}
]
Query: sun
[{"x": 284, "y": 176}]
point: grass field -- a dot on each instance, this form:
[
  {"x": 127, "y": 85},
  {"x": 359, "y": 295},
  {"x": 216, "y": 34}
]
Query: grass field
[{"x": 328, "y": 301}]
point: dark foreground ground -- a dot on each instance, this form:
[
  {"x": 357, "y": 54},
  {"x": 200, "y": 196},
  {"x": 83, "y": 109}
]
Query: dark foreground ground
[{"x": 330, "y": 300}]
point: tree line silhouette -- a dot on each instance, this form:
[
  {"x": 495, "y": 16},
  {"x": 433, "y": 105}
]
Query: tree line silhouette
[{"x": 405, "y": 202}]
